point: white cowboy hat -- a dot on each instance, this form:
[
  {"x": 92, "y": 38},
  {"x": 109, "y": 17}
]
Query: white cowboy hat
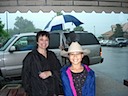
[{"x": 74, "y": 47}]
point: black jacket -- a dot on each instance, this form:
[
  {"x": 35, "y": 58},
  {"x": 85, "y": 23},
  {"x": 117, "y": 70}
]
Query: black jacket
[{"x": 34, "y": 63}]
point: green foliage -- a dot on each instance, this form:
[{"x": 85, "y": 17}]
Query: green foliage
[
  {"x": 100, "y": 37},
  {"x": 1, "y": 28},
  {"x": 23, "y": 25},
  {"x": 118, "y": 31},
  {"x": 78, "y": 28},
  {"x": 11, "y": 32},
  {"x": 3, "y": 33},
  {"x": 59, "y": 13}
]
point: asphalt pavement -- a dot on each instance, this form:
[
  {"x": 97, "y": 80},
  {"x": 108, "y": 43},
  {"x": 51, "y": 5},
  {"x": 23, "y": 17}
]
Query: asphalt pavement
[
  {"x": 106, "y": 86},
  {"x": 111, "y": 73}
]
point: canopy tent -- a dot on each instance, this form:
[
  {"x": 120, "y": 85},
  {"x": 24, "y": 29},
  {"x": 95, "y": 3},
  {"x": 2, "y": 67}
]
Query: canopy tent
[{"x": 98, "y": 6}]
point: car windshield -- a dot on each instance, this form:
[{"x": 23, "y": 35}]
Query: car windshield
[{"x": 7, "y": 43}]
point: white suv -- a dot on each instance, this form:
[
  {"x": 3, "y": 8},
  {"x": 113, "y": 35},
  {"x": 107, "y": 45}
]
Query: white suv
[
  {"x": 14, "y": 51},
  {"x": 122, "y": 42}
]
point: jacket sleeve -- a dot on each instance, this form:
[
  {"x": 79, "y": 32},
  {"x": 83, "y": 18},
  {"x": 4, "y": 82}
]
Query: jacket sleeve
[
  {"x": 55, "y": 69},
  {"x": 66, "y": 83},
  {"x": 91, "y": 84},
  {"x": 55, "y": 66},
  {"x": 25, "y": 75}
]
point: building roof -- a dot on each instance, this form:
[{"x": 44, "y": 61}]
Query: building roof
[
  {"x": 125, "y": 27},
  {"x": 108, "y": 34},
  {"x": 111, "y": 32}
]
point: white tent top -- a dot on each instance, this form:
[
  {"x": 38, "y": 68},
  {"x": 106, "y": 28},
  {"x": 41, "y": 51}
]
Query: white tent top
[{"x": 98, "y": 6}]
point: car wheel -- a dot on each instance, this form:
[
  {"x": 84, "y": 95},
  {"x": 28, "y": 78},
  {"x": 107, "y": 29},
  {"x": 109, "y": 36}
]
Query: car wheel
[
  {"x": 120, "y": 45},
  {"x": 86, "y": 60}
]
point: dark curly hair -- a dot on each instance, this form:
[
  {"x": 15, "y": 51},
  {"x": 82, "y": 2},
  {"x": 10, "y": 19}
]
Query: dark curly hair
[{"x": 42, "y": 33}]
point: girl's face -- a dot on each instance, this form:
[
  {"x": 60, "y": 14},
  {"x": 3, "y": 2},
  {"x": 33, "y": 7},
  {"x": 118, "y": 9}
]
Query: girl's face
[
  {"x": 75, "y": 57},
  {"x": 43, "y": 42}
]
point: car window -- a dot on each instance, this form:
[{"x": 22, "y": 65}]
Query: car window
[
  {"x": 54, "y": 41},
  {"x": 25, "y": 43},
  {"x": 87, "y": 39},
  {"x": 121, "y": 39},
  {"x": 7, "y": 43},
  {"x": 84, "y": 38}
]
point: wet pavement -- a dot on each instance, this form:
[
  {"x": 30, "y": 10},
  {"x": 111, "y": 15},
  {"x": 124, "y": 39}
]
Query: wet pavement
[
  {"x": 111, "y": 73},
  {"x": 106, "y": 86}
]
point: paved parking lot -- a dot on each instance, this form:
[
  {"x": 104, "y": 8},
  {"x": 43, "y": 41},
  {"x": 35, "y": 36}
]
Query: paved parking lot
[
  {"x": 106, "y": 86},
  {"x": 111, "y": 73}
]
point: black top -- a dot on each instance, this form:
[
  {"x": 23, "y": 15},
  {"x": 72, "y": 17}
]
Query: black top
[
  {"x": 79, "y": 80},
  {"x": 33, "y": 64}
]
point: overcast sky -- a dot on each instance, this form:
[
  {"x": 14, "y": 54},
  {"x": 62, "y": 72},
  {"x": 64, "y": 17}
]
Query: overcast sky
[{"x": 97, "y": 23}]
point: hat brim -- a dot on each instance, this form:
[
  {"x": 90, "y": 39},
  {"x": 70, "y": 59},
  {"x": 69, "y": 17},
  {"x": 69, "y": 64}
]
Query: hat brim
[{"x": 65, "y": 53}]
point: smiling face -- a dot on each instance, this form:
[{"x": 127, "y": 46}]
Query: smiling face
[
  {"x": 75, "y": 57},
  {"x": 43, "y": 42}
]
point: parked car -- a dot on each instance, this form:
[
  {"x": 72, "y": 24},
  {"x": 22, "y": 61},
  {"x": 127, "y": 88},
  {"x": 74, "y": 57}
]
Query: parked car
[
  {"x": 103, "y": 42},
  {"x": 121, "y": 41},
  {"x": 13, "y": 52},
  {"x": 112, "y": 43},
  {"x": 88, "y": 40}
]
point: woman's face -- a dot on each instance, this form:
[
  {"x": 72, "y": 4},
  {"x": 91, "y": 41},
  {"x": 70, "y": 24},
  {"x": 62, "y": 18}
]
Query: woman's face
[
  {"x": 75, "y": 57},
  {"x": 43, "y": 42}
]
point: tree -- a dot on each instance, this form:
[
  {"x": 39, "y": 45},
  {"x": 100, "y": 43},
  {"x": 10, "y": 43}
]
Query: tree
[
  {"x": 78, "y": 28},
  {"x": 59, "y": 13},
  {"x": 23, "y": 25},
  {"x": 11, "y": 32},
  {"x": 118, "y": 31},
  {"x": 3, "y": 33}
]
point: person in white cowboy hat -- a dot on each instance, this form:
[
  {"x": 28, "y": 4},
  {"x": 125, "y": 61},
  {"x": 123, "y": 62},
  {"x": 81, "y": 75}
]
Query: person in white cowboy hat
[
  {"x": 77, "y": 78},
  {"x": 74, "y": 47}
]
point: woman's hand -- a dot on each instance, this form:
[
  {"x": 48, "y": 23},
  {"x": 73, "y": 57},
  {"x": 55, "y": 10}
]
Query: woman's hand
[{"x": 45, "y": 74}]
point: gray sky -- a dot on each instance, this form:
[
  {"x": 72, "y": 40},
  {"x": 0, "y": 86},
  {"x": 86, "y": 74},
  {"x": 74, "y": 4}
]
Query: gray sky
[{"x": 97, "y": 23}]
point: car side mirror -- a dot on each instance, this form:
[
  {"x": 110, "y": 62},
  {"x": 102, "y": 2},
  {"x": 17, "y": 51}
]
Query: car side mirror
[{"x": 12, "y": 49}]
